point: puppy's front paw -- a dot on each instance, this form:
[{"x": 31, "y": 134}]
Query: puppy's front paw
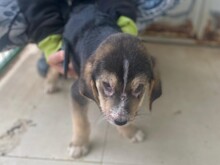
[
  {"x": 138, "y": 137},
  {"x": 50, "y": 88},
  {"x": 77, "y": 151},
  {"x": 132, "y": 133}
]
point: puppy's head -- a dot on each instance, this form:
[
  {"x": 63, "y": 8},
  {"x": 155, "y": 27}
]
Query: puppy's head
[{"x": 118, "y": 76}]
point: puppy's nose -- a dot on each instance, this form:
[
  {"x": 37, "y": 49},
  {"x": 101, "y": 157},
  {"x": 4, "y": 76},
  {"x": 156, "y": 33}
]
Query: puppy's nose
[{"x": 120, "y": 122}]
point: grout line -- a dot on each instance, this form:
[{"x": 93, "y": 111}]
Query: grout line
[
  {"x": 105, "y": 143},
  {"x": 68, "y": 160},
  {"x": 215, "y": 75},
  {"x": 51, "y": 159},
  {"x": 123, "y": 163},
  {"x": 189, "y": 43}
]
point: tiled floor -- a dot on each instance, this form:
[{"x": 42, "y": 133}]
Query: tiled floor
[{"x": 183, "y": 129}]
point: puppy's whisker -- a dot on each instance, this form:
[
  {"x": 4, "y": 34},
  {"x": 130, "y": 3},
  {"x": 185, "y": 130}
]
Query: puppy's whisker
[
  {"x": 131, "y": 119},
  {"x": 100, "y": 119},
  {"x": 141, "y": 109},
  {"x": 142, "y": 114}
]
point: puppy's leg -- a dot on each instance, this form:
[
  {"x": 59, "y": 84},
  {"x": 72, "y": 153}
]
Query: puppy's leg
[
  {"x": 131, "y": 132},
  {"x": 81, "y": 126},
  {"x": 51, "y": 81}
]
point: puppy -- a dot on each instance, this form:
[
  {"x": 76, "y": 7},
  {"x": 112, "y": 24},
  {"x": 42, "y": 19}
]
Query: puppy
[{"x": 114, "y": 70}]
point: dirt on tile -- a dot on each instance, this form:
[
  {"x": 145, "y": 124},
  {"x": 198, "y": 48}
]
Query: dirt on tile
[{"x": 12, "y": 137}]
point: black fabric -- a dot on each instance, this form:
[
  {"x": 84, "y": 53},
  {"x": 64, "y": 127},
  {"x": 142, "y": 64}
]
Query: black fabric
[
  {"x": 116, "y": 8},
  {"x": 12, "y": 25},
  {"x": 46, "y": 17},
  {"x": 85, "y": 30},
  {"x": 42, "y": 66}
]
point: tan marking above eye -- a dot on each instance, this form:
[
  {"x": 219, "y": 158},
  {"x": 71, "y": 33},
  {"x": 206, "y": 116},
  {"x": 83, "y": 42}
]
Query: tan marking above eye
[
  {"x": 108, "y": 78},
  {"x": 139, "y": 88},
  {"x": 140, "y": 79}
]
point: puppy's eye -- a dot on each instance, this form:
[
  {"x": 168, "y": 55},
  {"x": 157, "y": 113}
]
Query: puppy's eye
[
  {"x": 139, "y": 90},
  {"x": 108, "y": 90}
]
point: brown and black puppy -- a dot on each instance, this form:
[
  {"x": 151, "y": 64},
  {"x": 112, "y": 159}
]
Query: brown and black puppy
[{"x": 114, "y": 70}]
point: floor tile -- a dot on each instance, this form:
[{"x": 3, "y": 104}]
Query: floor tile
[
  {"x": 183, "y": 127},
  {"x": 22, "y": 97},
  {"x": 117, "y": 164},
  {"x": 23, "y": 161}
]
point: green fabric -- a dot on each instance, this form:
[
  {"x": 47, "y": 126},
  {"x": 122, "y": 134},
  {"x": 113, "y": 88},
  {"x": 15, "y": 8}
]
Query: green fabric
[
  {"x": 53, "y": 43},
  {"x": 127, "y": 25},
  {"x": 50, "y": 44}
]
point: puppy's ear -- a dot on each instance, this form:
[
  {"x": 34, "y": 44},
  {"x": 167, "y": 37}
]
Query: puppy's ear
[
  {"x": 87, "y": 85},
  {"x": 155, "y": 89}
]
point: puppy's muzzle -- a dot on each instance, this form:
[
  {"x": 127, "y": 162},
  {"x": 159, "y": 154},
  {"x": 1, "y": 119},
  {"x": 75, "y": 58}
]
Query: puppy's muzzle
[
  {"x": 121, "y": 121},
  {"x": 119, "y": 118}
]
